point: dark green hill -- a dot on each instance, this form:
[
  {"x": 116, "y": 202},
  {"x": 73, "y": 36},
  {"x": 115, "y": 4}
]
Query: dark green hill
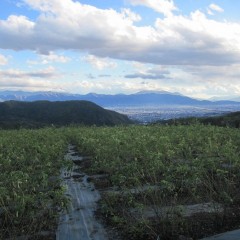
[
  {"x": 227, "y": 120},
  {"x": 15, "y": 114}
]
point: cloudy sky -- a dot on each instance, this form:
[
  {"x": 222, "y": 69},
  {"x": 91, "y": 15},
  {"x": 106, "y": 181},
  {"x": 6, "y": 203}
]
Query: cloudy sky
[{"x": 121, "y": 46}]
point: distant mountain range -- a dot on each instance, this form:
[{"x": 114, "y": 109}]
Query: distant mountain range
[{"x": 143, "y": 98}]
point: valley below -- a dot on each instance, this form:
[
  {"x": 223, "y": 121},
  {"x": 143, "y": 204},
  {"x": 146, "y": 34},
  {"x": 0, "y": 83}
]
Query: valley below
[{"x": 152, "y": 113}]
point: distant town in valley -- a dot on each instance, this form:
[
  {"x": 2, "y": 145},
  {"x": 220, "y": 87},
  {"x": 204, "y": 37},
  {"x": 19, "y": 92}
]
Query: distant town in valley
[{"x": 148, "y": 114}]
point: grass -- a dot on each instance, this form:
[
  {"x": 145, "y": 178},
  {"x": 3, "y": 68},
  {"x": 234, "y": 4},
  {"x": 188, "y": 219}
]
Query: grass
[{"x": 157, "y": 172}]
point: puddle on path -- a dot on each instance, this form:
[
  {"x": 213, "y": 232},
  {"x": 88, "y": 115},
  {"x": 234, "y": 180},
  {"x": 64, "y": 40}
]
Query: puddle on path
[{"x": 78, "y": 221}]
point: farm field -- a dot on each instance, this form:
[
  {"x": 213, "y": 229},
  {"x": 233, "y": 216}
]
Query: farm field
[
  {"x": 169, "y": 182},
  {"x": 30, "y": 190}
]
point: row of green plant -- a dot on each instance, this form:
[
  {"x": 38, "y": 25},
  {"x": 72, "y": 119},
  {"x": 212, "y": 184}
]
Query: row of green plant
[
  {"x": 30, "y": 187},
  {"x": 169, "y": 166},
  {"x": 180, "y": 164}
]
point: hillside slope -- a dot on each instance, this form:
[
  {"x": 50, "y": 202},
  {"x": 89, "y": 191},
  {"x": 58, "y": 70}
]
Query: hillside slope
[
  {"x": 40, "y": 113},
  {"x": 227, "y": 120}
]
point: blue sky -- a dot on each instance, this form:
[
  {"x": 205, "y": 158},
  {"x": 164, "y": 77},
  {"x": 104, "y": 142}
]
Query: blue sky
[{"x": 121, "y": 46}]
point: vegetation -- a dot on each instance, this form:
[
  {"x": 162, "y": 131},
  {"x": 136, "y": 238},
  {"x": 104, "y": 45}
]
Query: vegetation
[
  {"x": 152, "y": 174},
  {"x": 227, "y": 120},
  {"x": 160, "y": 172},
  {"x": 30, "y": 190},
  {"x": 15, "y": 114}
]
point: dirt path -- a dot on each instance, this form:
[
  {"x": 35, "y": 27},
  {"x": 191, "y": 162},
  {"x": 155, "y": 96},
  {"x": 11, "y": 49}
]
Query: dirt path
[{"x": 78, "y": 222}]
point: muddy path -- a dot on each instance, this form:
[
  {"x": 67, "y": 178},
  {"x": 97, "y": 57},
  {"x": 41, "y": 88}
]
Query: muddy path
[{"x": 78, "y": 221}]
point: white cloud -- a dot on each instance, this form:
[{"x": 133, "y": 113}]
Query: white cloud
[
  {"x": 198, "y": 40},
  {"x": 17, "y": 24},
  {"x": 39, "y": 80},
  {"x": 153, "y": 73},
  {"x": 174, "y": 40},
  {"x": 99, "y": 63},
  {"x": 206, "y": 81},
  {"x": 50, "y": 58},
  {"x": 47, "y": 73},
  {"x": 3, "y": 60},
  {"x": 131, "y": 16},
  {"x": 165, "y": 7},
  {"x": 209, "y": 12},
  {"x": 16, "y": 33},
  {"x": 27, "y": 84},
  {"x": 216, "y": 8},
  {"x": 215, "y": 73}
]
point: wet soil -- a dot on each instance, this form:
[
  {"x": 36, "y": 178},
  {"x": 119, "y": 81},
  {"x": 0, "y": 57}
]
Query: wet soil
[{"x": 78, "y": 221}]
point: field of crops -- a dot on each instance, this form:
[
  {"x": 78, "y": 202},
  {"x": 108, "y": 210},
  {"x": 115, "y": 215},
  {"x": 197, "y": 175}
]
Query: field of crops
[
  {"x": 168, "y": 181},
  {"x": 165, "y": 176},
  {"x": 30, "y": 191}
]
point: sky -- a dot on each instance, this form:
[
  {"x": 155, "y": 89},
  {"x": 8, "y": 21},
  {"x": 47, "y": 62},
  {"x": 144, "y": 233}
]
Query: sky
[{"x": 121, "y": 46}]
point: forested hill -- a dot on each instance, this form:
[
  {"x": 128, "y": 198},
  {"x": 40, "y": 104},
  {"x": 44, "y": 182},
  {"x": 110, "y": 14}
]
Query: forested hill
[
  {"x": 227, "y": 120},
  {"x": 15, "y": 114}
]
